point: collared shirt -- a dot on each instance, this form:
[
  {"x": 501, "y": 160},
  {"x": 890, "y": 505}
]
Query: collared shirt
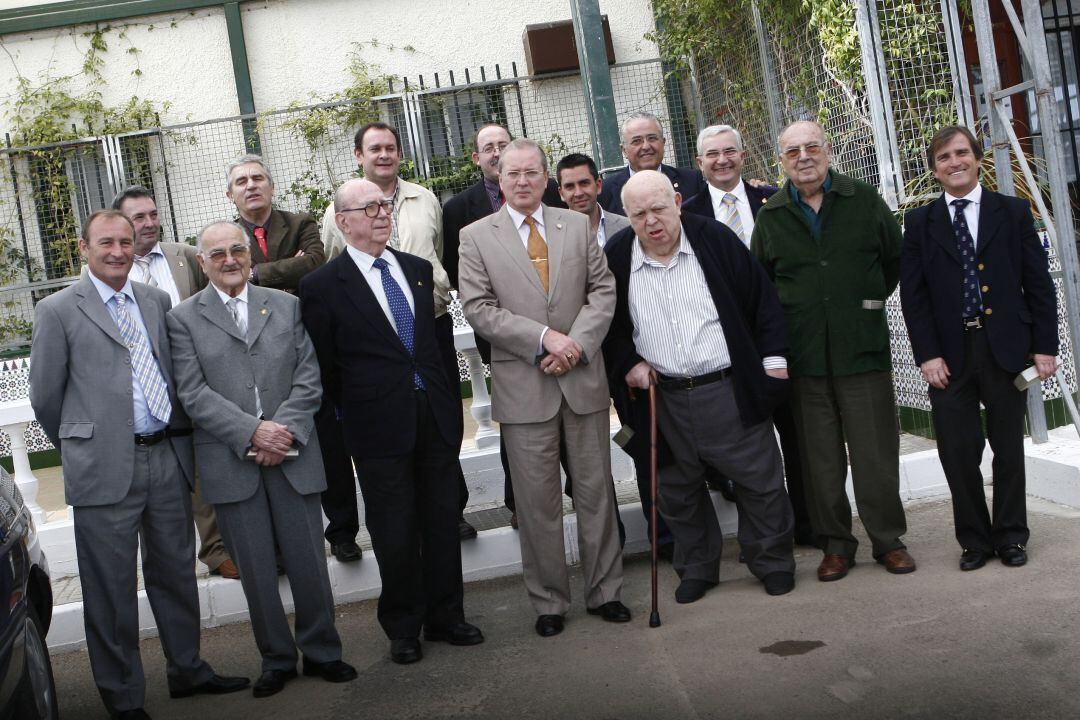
[
  {"x": 144, "y": 421},
  {"x": 742, "y": 206},
  {"x": 159, "y": 270},
  {"x": 601, "y": 230},
  {"x": 812, "y": 215},
  {"x": 242, "y": 309},
  {"x": 366, "y": 264},
  {"x": 971, "y": 212},
  {"x": 494, "y": 193}
]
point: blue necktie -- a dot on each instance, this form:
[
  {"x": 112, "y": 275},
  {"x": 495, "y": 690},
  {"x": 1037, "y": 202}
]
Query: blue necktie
[
  {"x": 399, "y": 308},
  {"x": 972, "y": 301}
]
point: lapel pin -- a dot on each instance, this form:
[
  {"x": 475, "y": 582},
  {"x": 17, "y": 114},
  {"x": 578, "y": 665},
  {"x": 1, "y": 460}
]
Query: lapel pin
[
  {"x": 419, "y": 283},
  {"x": 558, "y": 226},
  {"x": 181, "y": 264},
  {"x": 263, "y": 311}
]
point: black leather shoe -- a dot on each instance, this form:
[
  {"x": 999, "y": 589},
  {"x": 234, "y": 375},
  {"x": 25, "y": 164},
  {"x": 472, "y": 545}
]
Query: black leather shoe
[
  {"x": 973, "y": 559},
  {"x": 405, "y": 650},
  {"x": 779, "y": 583},
  {"x": 347, "y": 551},
  {"x": 613, "y": 611},
  {"x": 692, "y": 590},
  {"x": 1012, "y": 555},
  {"x": 216, "y": 685},
  {"x": 461, "y": 633},
  {"x": 333, "y": 671},
  {"x": 135, "y": 714},
  {"x": 272, "y": 682},
  {"x": 549, "y": 625},
  {"x": 465, "y": 531}
]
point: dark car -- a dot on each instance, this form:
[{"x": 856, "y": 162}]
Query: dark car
[{"x": 27, "y": 691}]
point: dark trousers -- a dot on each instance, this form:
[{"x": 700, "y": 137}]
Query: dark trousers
[
  {"x": 958, "y": 425},
  {"x": 784, "y": 421},
  {"x": 339, "y": 498},
  {"x": 411, "y": 511},
  {"x": 444, "y": 335}
]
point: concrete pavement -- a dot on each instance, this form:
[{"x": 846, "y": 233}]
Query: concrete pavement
[{"x": 998, "y": 642}]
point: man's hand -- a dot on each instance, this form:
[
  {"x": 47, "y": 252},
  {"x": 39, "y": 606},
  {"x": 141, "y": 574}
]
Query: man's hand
[
  {"x": 936, "y": 372},
  {"x": 564, "y": 353},
  {"x": 272, "y": 437},
  {"x": 269, "y": 459},
  {"x": 1045, "y": 364},
  {"x": 641, "y": 376},
  {"x": 780, "y": 373}
]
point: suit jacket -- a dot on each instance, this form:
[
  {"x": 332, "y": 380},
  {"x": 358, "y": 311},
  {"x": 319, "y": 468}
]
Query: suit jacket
[
  {"x": 286, "y": 235},
  {"x": 186, "y": 271},
  {"x": 747, "y": 303},
  {"x": 688, "y": 182},
  {"x": 80, "y": 389},
  {"x": 217, "y": 371},
  {"x": 701, "y": 204},
  {"x": 1019, "y": 301},
  {"x": 367, "y": 372},
  {"x": 614, "y": 223},
  {"x": 504, "y": 302}
]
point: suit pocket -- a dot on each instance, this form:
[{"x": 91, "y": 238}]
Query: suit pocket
[{"x": 82, "y": 430}]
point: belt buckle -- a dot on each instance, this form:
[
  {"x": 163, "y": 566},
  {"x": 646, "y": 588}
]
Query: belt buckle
[
  {"x": 690, "y": 383},
  {"x": 974, "y": 323}
]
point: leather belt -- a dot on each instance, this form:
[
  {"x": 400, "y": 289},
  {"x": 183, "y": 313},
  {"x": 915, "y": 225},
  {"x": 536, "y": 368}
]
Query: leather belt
[
  {"x": 689, "y": 383},
  {"x": 973, "y": 323},
  {"x": 147, "y": 439}
]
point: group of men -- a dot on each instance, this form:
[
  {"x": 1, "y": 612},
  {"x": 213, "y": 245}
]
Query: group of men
[{"x": 291, "y": 365}]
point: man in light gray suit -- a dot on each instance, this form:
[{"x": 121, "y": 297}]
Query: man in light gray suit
[
  {"x": 246, "y": 373},
  {"x": 534, "y": 282},
  {"x": 101, "y": 386}
]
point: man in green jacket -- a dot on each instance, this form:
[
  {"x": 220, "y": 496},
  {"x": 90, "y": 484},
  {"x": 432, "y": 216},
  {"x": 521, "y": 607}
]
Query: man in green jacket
[{"x": 832, "y": 247}]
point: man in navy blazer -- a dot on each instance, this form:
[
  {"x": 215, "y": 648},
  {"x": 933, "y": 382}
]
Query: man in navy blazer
[
  {"x": 371, "y": 316},
  {"x": 643, "y": 146},
  {"x": 979, "y": 304}
]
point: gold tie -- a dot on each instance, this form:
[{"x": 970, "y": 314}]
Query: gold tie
[{"x": 538, "y": 252}]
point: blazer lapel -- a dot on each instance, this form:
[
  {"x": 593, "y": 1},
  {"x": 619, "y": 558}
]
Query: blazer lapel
[
  {"x": 360, "y": 294},
  {"x": 211, "y": 307},
  {"x": 556, "y": 239},
  {"x": 275, "y": 234},
  {"x": 508, "y": 237},
  {"x": 990, "y": 219},
  {"x": 939, "y": 226},
  {"x": 258, "y": 313},
  {"x": 181, "y": 276},
  {"x": 95, "y": 309},
  {"x": 149, "y": 316}
]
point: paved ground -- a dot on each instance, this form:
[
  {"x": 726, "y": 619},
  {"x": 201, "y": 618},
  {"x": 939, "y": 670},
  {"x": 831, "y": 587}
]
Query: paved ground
[{"x": 939, "y": 643}]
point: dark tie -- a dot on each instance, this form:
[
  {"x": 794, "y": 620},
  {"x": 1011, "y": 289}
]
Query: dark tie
[
  {"x": 399, "y": 308},
  {"x": 972, "y": 302},
  {"x": 260, "y": 237}
]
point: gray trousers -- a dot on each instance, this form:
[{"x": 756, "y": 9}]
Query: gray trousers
[
  {"x": 157, "y": 509},
  {"x": 702, "y": 427},
  {"x": 277, "y": 515}
]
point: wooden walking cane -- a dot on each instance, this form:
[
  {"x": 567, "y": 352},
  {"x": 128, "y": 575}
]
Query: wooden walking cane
[{"x": 654, "y": 617}]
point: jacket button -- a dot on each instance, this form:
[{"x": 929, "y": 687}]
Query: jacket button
[
  {"x": 988, "y": 311},
  {"x": 981, "y": 266},
  {"x": 824, "y": 263},
  {"x": 985, "y": 288},
  {"x": 130, "y": 423},
  {"x": 250, "y": 385}
]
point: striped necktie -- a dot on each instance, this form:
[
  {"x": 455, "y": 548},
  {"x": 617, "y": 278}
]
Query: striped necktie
[
  {"x": 732, "y": 219},
  {"x": 143, "y": 363}
]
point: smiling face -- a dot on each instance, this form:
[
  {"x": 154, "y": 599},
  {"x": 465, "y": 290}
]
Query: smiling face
[
  {"x": 956, "y": 166},
  {"x": 143, "y": 214},
  {"x": 225, "y": 257},
  {"x": 721, "y": 160},
  {"x": 379, "y": 155},
  {"x": 250, "y": 190},
  {"x": 578, "y": 188},
  {"x": 643, "y": 144},
  {"x": 109, "y": 249},
  {"x": 490, "y": 142}
]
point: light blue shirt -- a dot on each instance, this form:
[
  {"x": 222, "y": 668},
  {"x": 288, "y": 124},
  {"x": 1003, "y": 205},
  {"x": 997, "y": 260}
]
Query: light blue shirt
[{"x": 144, "y": 421}]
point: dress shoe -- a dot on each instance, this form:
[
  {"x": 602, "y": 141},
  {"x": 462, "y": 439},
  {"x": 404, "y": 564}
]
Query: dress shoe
[
  {"x": 549, "y": 625},
  {"x": 135, "y": 714},
  {"x": 897, "y": 561},
  {"x": 613, "y": 611},
  {"x": 834, "y": 567},
  {"x": 973, "y": 559},
  {"x": 461, "y": 633},
  {"x": 692, "y": 590},
  {"x": 465, "y": 531},
  {"x": 405, "y": 650},
  {"x": 513, "y": 520},
  {"x": 347, "y": 551},
  {"x": 216, "y": 685},
  {"x": 779, "y": 583},
  {"x": 1012, "y": 555},
  {"x": 333, "y": 671},
  {"x": 271, "y": 682},
  {"x": 227, "y": 569}
]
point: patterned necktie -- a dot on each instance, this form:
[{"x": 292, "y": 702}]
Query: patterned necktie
[
  {"x": 240, "y": 318},
  {"x": 733, "y": 220},
  {"x": 144, "y": 263},
  {"x": 538, "y": 252},
  {"x": 399, "y": 308},
  {"x": 260, "y": 237},
  {"x": 143, "y": 363},
  {"x": 972, "y": 301}
]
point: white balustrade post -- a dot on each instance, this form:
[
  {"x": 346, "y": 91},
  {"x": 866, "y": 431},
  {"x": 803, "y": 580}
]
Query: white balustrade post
[
  {"x": 24, "y": 476},
  {"x": 486, "y": 434}
]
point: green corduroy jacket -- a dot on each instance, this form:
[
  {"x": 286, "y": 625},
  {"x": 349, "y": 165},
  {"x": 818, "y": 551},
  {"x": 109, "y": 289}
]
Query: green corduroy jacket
[{"x": 824, "y": 280}]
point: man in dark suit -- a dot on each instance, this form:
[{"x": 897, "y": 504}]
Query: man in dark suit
[
  {"x": 719, "y": 372},
  {"x": 101, "y": 385},
  {"x": 979, "y": 304},
  {"x": 247, "y": 376},
  {"x": 643, "y": 146},
  {"x": 285, "y": 246},
  {"x": 729, "y": 199},
  {"x": 371, "y": 316}
]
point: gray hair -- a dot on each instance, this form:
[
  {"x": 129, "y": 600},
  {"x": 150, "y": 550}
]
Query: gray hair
[
  {"x": 524, "y": 144},
  {"x": 218, "y": 223},
  {"x": 244, "y": 160},
  {"x": 658, "y": 179},
  {"x": 714, "y": 130},
  {"x": 640, "y": 116},
  {"x": 821, "y": 129},
  {"x": 346, "y": 189}
]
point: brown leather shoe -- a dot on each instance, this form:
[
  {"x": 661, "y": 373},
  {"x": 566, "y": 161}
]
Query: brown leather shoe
[
  {"x": 897, "y": 561},
  {"x": 834, "y": 567},
  {"x": 227, "y": 569}
]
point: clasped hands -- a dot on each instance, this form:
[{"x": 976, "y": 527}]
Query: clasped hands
[
  {"x": 936, "y": 371},
  {"x": 564, "y": 353},
  {"x": 271, "y": 441}
]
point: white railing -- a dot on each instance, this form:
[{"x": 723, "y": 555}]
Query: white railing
[{"x": 15, "y": 418}]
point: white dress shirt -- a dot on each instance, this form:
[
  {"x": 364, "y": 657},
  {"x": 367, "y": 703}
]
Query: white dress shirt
[
  {"x": 373, "y": 276},
  {"x": 601, "y": 230},
  {"x": 742, "y": 205},
  {"x": 971, "y": 212},
  {"x": 160, "y": 271}
]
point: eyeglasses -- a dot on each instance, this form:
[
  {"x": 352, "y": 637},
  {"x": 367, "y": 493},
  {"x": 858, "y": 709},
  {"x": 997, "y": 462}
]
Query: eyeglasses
[
  {"x": 811, "y": 150},
  {"x": 639, "y": 140},
  {"x": 728, "y": 153},
  {"x": 515, "y": 175},
  {"x": 373, "y": 207},
  {"x": 492, "y": 147},
  {"x": 236, "y": 252}
]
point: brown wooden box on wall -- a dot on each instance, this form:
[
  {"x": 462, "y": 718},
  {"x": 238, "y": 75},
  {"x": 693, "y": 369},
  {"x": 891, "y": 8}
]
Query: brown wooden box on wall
[{"x": 550, "y": 47}]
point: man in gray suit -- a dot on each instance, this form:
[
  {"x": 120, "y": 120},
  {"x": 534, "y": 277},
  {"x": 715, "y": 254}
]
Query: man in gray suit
[
  {"x": 579, "y": 186},
  {"x": 101, "y": 386},
  {"x": 247, "y": 375},
  {"x": 173, "y": 268},
  {"x": 534, "y": 282}
]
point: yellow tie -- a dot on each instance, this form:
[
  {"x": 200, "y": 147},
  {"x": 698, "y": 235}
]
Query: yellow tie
[{"x": 538, "y": 252}]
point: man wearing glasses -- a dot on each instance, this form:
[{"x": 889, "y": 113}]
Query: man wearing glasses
[
  {"x": 247, "y": 376},
  {"x": 832, "y": 246},
  {"x": 371, "y": 315}
]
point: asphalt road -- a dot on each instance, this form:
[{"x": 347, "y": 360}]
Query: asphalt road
[{"x": 995, "y": 643}]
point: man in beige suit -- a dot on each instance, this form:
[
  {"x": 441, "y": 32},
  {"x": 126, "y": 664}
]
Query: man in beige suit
[{"x": 534, "y": 282}]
